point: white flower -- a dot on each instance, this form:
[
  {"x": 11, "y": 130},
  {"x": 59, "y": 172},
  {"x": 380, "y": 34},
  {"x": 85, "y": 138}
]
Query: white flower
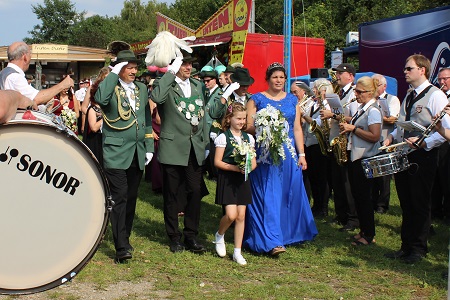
[{"x": 271, "y": 133}]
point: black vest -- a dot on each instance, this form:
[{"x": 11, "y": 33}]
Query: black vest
[{"x": 229, "y": 148}]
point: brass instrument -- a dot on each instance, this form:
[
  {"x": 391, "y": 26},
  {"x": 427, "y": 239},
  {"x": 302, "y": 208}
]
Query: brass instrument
[
  {"x": 348, "y": 103},
  {"x": 306, "y": 103},
  {"x": 322, "y": 133},
  {"x": 339, "y": 145},
  {"x": 336, "y": 87}
]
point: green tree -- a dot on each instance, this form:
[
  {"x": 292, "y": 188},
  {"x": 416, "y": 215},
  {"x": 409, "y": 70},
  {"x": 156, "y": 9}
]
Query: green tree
[
  {"x": 58, "y": 19},
  {"x": 95, "y": 31},
  {"x": 193, "y": 13}
]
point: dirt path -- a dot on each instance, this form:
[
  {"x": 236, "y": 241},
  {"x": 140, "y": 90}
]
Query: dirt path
[{"x": 87, "y": 291}]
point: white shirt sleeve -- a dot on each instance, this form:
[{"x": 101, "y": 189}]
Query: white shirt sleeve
[
  {"x": 438, "y": 100},
  {"x": 17, "y": 82},
  {"x": 394, "y": 107},
  {"x": 374, "y": 117},
  {"x": 221, "y": 141},
  {"x": 252, "y": 140}
]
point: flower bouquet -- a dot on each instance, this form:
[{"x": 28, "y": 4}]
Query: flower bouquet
[
  {"x": 70, "y": 119},
  {"x": 271, "y": 133},
  {"x": 243, "y": 153}
]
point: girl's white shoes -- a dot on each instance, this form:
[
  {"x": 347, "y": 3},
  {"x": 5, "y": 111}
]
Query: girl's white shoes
[
  {"x": 239, "y": 259},
  {"x": 220, "y": 245}
]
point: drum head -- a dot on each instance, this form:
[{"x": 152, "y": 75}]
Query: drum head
[{"x": 53, "y": 211}]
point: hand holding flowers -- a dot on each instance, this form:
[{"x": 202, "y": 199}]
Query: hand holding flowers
[
  {"x": 271, "y": 133},
  {"x": 243, "y": 153}
]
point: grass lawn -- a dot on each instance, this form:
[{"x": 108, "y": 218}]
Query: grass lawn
[{"x": 327, "y": 268}]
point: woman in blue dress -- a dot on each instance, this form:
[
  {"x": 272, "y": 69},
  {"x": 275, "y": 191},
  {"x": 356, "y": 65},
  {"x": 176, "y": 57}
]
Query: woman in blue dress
[{"x": 280, "y": 214}]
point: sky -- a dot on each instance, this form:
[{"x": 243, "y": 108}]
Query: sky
[{"x": 17, "y": 17}]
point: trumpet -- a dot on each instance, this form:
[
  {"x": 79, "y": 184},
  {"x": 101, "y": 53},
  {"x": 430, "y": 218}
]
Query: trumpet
[
  {"x": 348, "y": 103},
  {"x": 429, "y": 129},
  {"x": 306, "y": 103}
]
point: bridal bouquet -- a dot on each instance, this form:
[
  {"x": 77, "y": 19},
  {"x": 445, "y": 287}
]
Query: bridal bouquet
[
  {"x": 271, "y": 133},
  {"x": 69, "y": 118},
  {"x": 243, "y": 153}
]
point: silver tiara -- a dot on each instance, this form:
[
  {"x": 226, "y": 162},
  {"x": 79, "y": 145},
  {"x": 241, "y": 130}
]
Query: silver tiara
[{"x": 275, "y": 65}]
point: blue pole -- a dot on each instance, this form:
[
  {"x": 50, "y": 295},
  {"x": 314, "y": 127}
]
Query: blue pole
[{"x": 287, "y": 32}]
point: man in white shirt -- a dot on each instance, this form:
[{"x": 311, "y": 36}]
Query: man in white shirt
[
  {"x": 13, "y": 76},
  {"x": 420, "y": 105},
  {"x": 390, "y": 107},
  {"x": 440, "y": 195}
]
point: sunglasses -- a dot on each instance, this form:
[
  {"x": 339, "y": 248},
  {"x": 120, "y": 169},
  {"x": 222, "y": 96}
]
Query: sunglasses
[
  {"x": 410, "y": 68},
  {"x": 361, "y": 92},
  {"x": 206, "y": 80}
]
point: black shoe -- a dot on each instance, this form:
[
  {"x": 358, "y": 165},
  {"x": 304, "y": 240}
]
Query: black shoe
[
  {"x": 194, "y": 246},
  {"x": 396, "y": 254},
  {"x": 380, "y": 210},
  {"x": 348, "y": 227},
  {"x": 176, "y": 246},
  {"x": 122, "y": 256},
  {"x": 412, "y": 258}
]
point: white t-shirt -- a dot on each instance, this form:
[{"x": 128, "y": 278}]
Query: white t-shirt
[{"x": 221, "y": 140}]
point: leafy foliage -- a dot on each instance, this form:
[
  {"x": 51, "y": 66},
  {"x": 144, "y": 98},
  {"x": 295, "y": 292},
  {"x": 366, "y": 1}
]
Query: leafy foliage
[
  {"x": 328, "y": 19},
  {"x": 59, "y": 18}
]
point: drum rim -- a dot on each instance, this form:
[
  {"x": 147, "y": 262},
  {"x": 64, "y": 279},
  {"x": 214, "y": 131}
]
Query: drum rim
[{"x": 108, "y": 204}]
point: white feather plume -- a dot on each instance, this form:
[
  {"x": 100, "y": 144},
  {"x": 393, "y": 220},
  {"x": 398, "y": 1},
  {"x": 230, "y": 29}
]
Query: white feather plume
[{"x": 164, "y": 48}]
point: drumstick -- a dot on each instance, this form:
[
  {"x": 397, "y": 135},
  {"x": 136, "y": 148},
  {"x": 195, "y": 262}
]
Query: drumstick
[{"x": 391, "y": 146}]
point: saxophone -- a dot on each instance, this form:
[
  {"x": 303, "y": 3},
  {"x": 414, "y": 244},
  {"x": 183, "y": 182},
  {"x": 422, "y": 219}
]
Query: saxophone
[
  {"x": 339, "y": 145},
  {"x": 322, "y": 133}
]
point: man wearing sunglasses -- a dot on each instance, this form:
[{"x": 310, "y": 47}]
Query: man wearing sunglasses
[
  {"x": 343, "y": 200},
  {"x": 440, "y": 195},
  {"x": 421, "y": 105}
]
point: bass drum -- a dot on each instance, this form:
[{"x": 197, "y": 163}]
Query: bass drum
[{"x": 54, "y": 206}]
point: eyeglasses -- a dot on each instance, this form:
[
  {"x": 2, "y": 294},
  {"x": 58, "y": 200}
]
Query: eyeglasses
[
  {"x": 443, "y": 78},
  {"x": 206, "y": 80},
  {"x": 410, "y": 68},
  {"x": 361, "y": 92}
]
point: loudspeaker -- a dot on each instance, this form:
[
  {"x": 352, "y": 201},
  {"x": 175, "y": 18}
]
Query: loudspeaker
[{"x": 319, "y": 73}]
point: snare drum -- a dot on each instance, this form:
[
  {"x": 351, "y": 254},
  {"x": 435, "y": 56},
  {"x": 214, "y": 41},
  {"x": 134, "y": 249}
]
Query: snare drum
[
  {"x": 385, "y": 164},
  {"x": 54, "y": 206}
]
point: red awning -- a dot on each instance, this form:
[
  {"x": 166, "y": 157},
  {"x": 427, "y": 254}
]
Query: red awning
[{"x": 212, "y": 40}]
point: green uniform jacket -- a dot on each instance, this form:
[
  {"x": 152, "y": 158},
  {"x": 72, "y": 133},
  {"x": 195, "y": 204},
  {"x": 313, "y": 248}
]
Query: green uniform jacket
[
  {"x": 217, "y": 110},
  {"x": 214, "y": 97},
  {"x": 176, "y": 135},
  {"x": 123, "y": 136}
]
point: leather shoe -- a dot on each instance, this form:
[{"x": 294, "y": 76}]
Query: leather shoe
[
  {"x": 176, "y": 246},
  {"x": 412, "y": 258},
  {"x": 194, "y": 246},
  {"x": 396, "y": 254},
  {"x": 348, "y": 227},
  {"x": 122, "y": 256}
]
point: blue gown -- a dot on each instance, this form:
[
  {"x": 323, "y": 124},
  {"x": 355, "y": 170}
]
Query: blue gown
[{"x": 280, "y": 213}]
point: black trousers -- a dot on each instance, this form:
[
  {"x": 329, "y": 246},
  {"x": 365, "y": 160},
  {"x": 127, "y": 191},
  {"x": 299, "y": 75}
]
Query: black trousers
[
  {"x": 124, "y": 186},
  {"x": 414, "y": 192},
  {"x": 344, "y": 204},
  {"x": 182, "y": 177},
  {"x": 381, "y": 191},
  {"x": 317, "y": 175},
  {"x": 361, "y": 191},
  {"x": 440, "y": 194}
]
